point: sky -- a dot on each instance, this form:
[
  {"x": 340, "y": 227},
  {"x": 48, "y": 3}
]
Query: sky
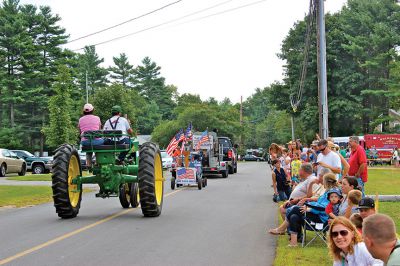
[{"x": 226, "y": 55}]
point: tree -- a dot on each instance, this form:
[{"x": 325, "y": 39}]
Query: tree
[
  {"x": 122, "y": 72},
  {"x": 60, "y": 129},
  {"x": 89, "y": 65}
]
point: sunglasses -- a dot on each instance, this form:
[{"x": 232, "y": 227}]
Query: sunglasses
[
  {"x": 335, "y": 234},
  {"x": 323, "y": 149}
]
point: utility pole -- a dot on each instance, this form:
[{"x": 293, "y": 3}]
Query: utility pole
[
  {"x": 292, "y": 120},
  {"x": 322, "y": 80},
  {"x": 241, "y": 123},
  {"x": 87, "y": 90}
]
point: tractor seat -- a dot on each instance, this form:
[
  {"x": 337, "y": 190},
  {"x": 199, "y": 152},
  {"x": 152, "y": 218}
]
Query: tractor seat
[
  {"x": 106, "y": 147},
  {"x": 102, "y": 133}
]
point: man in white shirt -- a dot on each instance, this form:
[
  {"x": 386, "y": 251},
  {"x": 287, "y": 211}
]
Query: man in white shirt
[
  {"x": 117, "y": 122},
  {"x": 328, "y": 159}
]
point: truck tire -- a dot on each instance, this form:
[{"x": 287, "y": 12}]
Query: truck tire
[
  {"x": 3, "y": 170},
  {"x": 134, "y": 196},
  {"x": 235, "y": 169},
  {"x": 23, "y": 170},
  {"x": 231, "y": 171},
  {"x": 125, "y": 195},
  {"x": 67, "y": 196},
  {"x": 151, "y": 181},
  {"x": 39, "y": 169},
  {"x": 225, "y": 174},
  {"x": 173, "y": 183},
  {"x": 199, "y": 183}
]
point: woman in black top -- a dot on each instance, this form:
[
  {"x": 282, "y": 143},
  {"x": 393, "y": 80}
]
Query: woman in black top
[{"x": 280, "y": 181}]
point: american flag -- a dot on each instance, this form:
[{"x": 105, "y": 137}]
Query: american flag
[
  {"x": 188, "y": 132},
  {"x": 184, "y": 173},
  {"x": 175, "y": 142},
  {"x": 203, "y": 138}
]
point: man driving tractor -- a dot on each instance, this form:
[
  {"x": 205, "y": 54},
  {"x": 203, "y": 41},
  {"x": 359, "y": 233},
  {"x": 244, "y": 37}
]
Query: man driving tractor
[{"x": 117, "y": 122}]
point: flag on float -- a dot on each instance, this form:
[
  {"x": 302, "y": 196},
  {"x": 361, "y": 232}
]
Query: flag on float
[
  {"x": 188, "y": 132},
  {"x": 175, "y": 142},
  {"x": 203, "y": 138},
  {"x": 184, "y": 173}
]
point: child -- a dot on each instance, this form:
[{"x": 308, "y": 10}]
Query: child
[
  {"x": 357, "y": 220},
  {"x": 296, "y": 163},
  {"x": 354, "y": 196},
  {"x": 334, "y": 196}
]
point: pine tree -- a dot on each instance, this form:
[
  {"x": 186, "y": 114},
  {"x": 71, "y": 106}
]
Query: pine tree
[
  {"x": 60, "y": 129},
  {"x": 122, "y": 72}
]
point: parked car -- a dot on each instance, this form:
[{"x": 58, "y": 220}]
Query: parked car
[
  {"x": 38, "y": 165},
  {"x": 11, "y": 163},
  {"x": 251, "y": 157},
  {"x": 82, "y": 158},
  {"x": 166, "y": 160}
]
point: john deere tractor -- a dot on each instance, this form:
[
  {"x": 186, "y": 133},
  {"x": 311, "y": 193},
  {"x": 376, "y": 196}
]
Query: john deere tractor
[{"x": 138, "y": 179}]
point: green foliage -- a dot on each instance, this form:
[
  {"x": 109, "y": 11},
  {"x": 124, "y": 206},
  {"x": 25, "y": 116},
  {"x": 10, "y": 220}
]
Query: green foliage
[
  {"x": 60, "y": 129},
  {"x": 11, "y": 138},
  {"x": 122, "y": 72}
]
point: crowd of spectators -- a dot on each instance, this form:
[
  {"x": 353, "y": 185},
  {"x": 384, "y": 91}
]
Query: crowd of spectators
[{"x": 325, "y": 185}]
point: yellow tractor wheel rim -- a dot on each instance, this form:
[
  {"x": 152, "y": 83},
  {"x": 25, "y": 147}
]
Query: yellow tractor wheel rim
[
  {"x": 127, "y": 191},
  {"x": 159, "y": 181},
  {"x": 73, "y": 171}
]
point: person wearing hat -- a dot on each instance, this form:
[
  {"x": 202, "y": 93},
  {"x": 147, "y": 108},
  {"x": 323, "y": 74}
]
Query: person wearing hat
[
  {"x": 89, "y": 122},
  {"x": 366, "y": 207},
  {"x": 335, "y": 197},
  {"x": 117, "y": 122}
]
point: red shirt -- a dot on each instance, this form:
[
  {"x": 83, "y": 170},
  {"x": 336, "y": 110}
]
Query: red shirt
[{"x": 357, "y": 158}]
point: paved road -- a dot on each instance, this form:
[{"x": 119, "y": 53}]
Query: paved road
[{"x": 223, "y": 224}]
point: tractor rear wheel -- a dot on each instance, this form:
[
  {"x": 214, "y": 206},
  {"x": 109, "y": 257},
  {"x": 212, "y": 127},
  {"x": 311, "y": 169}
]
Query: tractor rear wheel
[
  {"x": 151, "y": 181},
  {"x": 66, "y": 195},
  {"x": 125, "y": 195},
  {"x": 134, "y": 195}
]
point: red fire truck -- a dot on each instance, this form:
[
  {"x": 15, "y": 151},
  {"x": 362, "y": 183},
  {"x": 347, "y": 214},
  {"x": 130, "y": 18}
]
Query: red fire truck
[{"x": 384, "y": 144}]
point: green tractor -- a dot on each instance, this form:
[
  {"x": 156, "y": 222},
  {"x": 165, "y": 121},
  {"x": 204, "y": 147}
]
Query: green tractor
[{"x": 139, "y": 179}]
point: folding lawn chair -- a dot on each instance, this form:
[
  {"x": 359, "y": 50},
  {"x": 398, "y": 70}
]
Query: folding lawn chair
[{"x": 319, "y": 229}]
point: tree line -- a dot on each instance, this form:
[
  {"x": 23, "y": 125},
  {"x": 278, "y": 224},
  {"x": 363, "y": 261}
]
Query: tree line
[{"x": 42, "y": 84}]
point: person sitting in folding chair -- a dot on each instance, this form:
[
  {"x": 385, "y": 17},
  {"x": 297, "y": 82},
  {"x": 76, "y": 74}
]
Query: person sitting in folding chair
[{"x": 313, "y": 212}]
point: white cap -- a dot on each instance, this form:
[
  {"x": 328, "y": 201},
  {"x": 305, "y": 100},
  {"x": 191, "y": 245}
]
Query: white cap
[{"x": 88, "y": 107}]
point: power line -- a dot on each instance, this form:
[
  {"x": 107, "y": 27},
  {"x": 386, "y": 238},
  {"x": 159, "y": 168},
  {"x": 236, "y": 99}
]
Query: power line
[
  {"x": 177, "y": 19},
  {"x": 310, "y": 23},
  {"x": 124, "y": 22}
]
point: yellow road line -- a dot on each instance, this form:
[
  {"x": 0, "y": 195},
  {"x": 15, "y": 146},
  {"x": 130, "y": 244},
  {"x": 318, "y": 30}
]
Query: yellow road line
[{"x": 65, "y": 236}]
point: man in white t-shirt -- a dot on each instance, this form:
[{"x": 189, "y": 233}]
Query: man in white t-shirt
[
  {"x": 117, "y": 122},
  {"x": 328, "y": 159}
]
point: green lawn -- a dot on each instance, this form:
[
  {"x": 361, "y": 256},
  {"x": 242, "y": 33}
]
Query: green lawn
[
  {"x": 41, "y": 177},
  {"x": 19, "y": 196},
  {"x": 383, "y": 181}
]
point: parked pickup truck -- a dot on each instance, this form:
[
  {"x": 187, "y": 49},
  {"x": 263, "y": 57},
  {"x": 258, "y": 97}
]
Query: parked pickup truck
[{"x": 38, "y": 165}]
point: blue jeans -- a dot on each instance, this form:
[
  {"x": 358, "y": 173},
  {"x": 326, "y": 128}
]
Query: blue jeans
[
  {"x": 361, "y": 184},
  {"x": 284, "y": 194},
  {"x": 94, "y": 142}
]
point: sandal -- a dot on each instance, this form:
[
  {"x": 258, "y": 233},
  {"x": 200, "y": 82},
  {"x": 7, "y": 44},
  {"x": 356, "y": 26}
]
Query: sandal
[{"x": 275, "y": 232}]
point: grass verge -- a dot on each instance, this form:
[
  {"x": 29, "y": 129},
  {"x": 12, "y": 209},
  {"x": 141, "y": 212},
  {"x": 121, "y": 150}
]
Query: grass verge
[
  {"x": 22, "y": 196},
  {"x": 383, "y": 182}
]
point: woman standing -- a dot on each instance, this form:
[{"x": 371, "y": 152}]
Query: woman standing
[
  {"x": 280, "y": 181},
  {"x": 346, "y": 246}
]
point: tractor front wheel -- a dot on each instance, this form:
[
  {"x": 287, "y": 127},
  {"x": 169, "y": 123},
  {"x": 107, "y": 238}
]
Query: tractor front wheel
[
  {"x": 125, "y": 195},
  {"x": 151, "y": 181},
  {"x": 134, "y": 195},
  {"x": 66, "y": 195}
]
